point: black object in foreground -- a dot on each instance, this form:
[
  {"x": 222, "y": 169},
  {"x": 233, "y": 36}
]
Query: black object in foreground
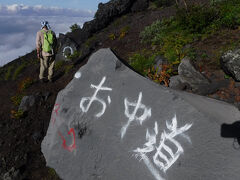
[{"x": 231, "y": 131}]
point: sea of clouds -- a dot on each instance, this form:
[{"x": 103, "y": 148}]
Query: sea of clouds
[{"x": 19, "y": 25}]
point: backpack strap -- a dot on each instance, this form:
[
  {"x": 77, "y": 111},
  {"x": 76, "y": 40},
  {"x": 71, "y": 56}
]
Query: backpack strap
[{"x": 43, "y": 31}]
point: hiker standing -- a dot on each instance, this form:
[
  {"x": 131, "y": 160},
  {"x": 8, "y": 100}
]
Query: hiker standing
[{"x": 46, "y": 43}]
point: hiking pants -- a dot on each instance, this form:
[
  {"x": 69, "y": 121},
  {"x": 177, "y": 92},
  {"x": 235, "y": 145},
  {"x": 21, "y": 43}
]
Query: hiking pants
[{"x": 46, "y": 63}]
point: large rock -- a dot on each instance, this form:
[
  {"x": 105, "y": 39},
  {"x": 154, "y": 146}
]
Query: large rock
[
  {"x": 190, "y": 75},
  {"x": 26, "y": 103},
  {"x": 111, "y": 123},
  {"x": 66, "y": 47},
  {"x": 230, "y": 62},
  {"x": 176, "y": 83},
  {"x": 107, "y": 11},
  {"x": 105, "y": 14}
]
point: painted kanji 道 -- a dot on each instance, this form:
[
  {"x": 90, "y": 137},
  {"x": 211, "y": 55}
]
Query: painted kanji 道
[
  {"x": 164, "y": 156},
  {"x": 133, "y": 116},
  {"x": 95, "y": 98}
]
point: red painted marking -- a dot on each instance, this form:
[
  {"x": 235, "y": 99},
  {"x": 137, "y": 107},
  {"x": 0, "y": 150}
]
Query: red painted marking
[
  {"x": 55, "y": 110},
  {"x": 73, "y": 145}
]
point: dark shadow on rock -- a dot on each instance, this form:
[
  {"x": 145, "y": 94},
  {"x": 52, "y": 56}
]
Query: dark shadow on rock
[
  {"x": 121, "y": 60},
  {"x": 205, "y": 89},
  {"x": 232, "y": 131},
  {"x": 57, "y": 76}
]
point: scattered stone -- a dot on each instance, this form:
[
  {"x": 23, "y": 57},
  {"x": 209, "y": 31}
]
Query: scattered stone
[
  {"x": 188, "y": 74},
  {"x": 237, "y": 84},
  {"x": 26, "y": 103},
  {"x": 215, "y": 96},
  {"x": 37, "y": 137},
  {"x": 159, "y": 61},
  {"x": 230, "y": 63},
  {"x": 176, "y": 83}
]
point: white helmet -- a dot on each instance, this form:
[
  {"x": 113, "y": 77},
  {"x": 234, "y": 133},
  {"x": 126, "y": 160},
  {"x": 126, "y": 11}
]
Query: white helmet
[{"x": 45, "y": 23}]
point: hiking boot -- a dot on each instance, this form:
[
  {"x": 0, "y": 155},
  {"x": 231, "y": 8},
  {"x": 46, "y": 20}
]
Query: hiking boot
[
  {"x": 50, "y": 80},
  {"x": 41, "y": 80}
]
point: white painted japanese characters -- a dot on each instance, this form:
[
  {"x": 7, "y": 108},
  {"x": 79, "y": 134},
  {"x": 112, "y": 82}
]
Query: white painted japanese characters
[
  {"x": 164, "y": 156},
  {"x": 160, "y": 152},
  {"x": 131, "y": 117},
  {"x": 95, "y": 98}
]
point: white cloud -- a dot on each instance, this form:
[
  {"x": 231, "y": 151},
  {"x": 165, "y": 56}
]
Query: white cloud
[
  {"x": 39, "y": 10},
  {"x": 18, "y": 30},
  {"x": 13, "y": 8}
]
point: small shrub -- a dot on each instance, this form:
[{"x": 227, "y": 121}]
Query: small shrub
[
  {"x": 59, "y": 65},
  {"x": 68, "y": 68},
  {"x": 112, "y": 36},
  {"x": 123, "y": 32},
  {"x": 204, "y": 56},
  {"x": 90, "y": 41},
  {"x": 117, "y": 22},
  {"x": 18, "y": 71},
  {"x": 76, "y": 54},
  {"x": 152, "y": 6},
  {"x": 16, "y": 100},
  {"x": 25, "y": 83},
  {"x": 151, "y": 31},
  {"x": 52, "y": 174},
  {"x": 214, "y": 2},
  {"x": 17, "y": 114},
  {"x": 229, "y": 13},
  {"x": 197, "y": 18},
  {"x": 191, "y": 53},
  {"x": 8, "y": 73},
  {"x": 226, "y": 76},
  {"x": 161, "y": 77},
  {"x": 74, "y": 27},
  {"x": 142, "y": 61}
]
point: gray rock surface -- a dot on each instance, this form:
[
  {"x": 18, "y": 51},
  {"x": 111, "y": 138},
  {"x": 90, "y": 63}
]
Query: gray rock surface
[
  {"x": 159, "y": 61},
  {"x": 176, "y": 83},
  {"x": 109, "y": 121},
  {"x": 26, "y": 103},
  {"x": 190, "y": 75},
  {"x": 66, "y": 47},
  {"x": 230, "y": 62}
]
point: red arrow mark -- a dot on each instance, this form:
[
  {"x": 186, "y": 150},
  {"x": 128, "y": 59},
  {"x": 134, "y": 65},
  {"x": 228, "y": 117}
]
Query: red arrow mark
[{"x": 73, "y": 145}]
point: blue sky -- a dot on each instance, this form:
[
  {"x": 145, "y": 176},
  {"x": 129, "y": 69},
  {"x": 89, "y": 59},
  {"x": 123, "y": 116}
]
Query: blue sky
[
  {"x": 20, "y": 21},
  {"x": 73, "y": 4}
]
